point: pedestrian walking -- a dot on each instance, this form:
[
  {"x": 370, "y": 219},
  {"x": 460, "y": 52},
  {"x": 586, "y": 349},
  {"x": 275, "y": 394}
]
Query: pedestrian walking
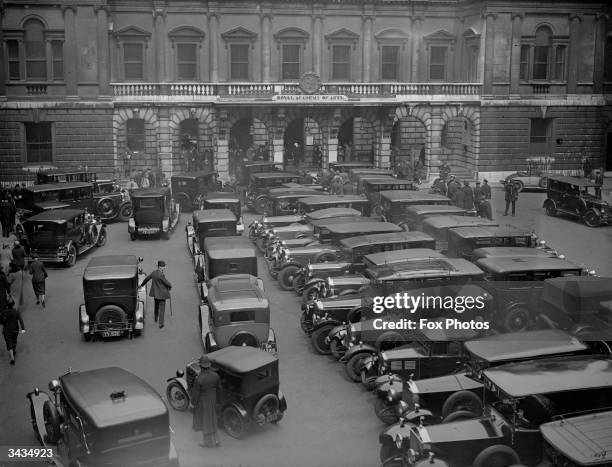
[
  {"x": 204, "y": 398},
  {"x": 19, "y": 255},
  {"x": 468, "y": 196},
  {"x": 6, "y": 256},
  {"x": 511, "y": 197},
  {"x": 12, "y": 322},
  {"x": 484, "y": 208},
  {"x": 6, "y": 214},
  {"x": 598, "y": 182},
  {"x": 486, "y": 189},
  {"x": 5, "y": 290},
  {"x": 160, "y": 291},
  {"x": 39, "y": 276},
  {"x": 15, "y": 280}
]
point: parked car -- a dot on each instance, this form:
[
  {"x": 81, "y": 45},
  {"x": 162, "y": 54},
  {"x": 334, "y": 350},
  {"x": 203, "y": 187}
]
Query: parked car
[
  {"x": 209, "y": 223},
  {"x": 39, "y": 198},
  {"x": 189, "y": 188},
  {"x": 259, "y": 228},
  {"x": 576, "y": 197},
  {"x": 246, "y": 169},
  {"x": 225, "y": 255},
  {"x": 257, "y": 197},
  {"x": 393, "y": 203},
  {"x": 223, "y": 200},
  {"x": 235, "y": 311},
  {"x": 61, "y": 235},
  {"x": 248, "y": 393},
  {"x": 283, "y": 201},
  {"x": 514, "y": 252},
  {"x": 155, "y": 213},
  {"x": 528, "y": 395},
  {"x": 440, "y": 226},
  {"x": 532, "y": 180},
  {"x": 328, "y": 213},
  {"x": 372, "y": 189},
  {"x": 314, "y": 203},
  {"x": 114, "y": 303},
  {"x": 90, "y": 417},
  {"x": 415, "y": 215},
  {"x": 348, "y": 166}
]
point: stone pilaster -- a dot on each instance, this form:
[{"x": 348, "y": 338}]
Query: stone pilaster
[
  {"x": 574, "y": 53},
  {"x": 316, "y": 43},
  {"x": 159, "y": 16},
  {"x": 103, "y": 51},
  {"x": 417, "y": 24},
  {"x": 265, "y": 47},
  {"x": 164, "y": 141},
  {"x": 213, "y": 26},
  {"x": 367, "y": 49},
  {"x": 70, "y": 52},
  {"x": 489, "y": 51},
  {"x": 515, "y": 53}
]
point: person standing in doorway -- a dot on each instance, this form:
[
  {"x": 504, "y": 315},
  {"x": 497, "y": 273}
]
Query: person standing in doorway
[
  {"x": 204, "y": 398},
  {"x": 39, "y": 277},
  {"x": 160, "y": 291},
  {"x": 511, "y": 197},
  {"x": 5, "y": 214}
]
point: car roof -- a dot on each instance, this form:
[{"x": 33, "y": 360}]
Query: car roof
[
  {"x": 320, "y": 199},
  {"x": 524, "y": 263},
  {"x": 291, "y": 192},
  {"x": 371, "y": 170},
  {"x": 150, "y": 192},
  {"x": 333, "y": 212},
  {"x": 578, "y": 181},
  {"x": 221, "y": 195},
  {"x": 194, "y": 175},
  {"x": 388, "y": 181},
  {"x": 578, "y": 287},
  {"x": 433, "y": 208},
  {"x": 90, "y": 391},
  {"x": 259, "y": 163},
  {"x": 403, "y": 255},
  {"x": 442, "y": 222},
  {"x": 585, "y": 439},
  {"x": 477, "y": 231},
  {"x": 524, "y": 344},
  {"x": 351, "y": 164},
  {"x": 277, "y": 174},
  {"x": 510, "y": 251},
  {"x": 551, "y": 375},
  {"x": 236, "y": 291},
  {"x": 407, "y": 195},
  {"x": 54, "y": 186},
  {"x": 419, "y": 267},
  {"x": 213, "y": 215},
  {"x": 241, "y": 359},
  {"x": 394, "y": 237},
  {"x": 374, "y": 226},
  {"x": 326, "y": 221},
  {"x": 111, "y": 267},
  {"x": 58, "y": 216},
  {"x": 229, "y": 247}
]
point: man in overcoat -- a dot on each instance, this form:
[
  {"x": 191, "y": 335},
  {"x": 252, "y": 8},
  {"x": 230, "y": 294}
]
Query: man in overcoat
[
  {"x": 486, "y": 189},
  {"x": 204, "y": 398},
  {"x": 511, "y": 197},
  {"x": 468, "y": 196},
  {"x": 160, "y": 291},
  {"x": 19, "y": 255},
  {"x": 39, "y": 275}
]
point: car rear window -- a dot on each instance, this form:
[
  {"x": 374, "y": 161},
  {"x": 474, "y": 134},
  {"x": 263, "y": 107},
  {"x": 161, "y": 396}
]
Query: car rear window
[{"x": 238, "y": 316}]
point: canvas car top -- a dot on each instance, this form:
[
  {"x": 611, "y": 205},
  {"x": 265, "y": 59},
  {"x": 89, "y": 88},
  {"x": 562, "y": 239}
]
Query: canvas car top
[
  {"x": 230, "y": 292},
  {"x": 403, "y": 255},
  {"x": 241, "y": 359},
  {"x": 447, "y": 222},
  {"x": 405, "y": 195},
  {"x": 362, "y": 228},
  {"x": 332, "y": 212},
  {"x": 551, "y": 375},
  {"x": 577, "y": 292},
  {"x": 229, "y": 247},
  {"x": 585, "y": 439},
  {"x": 328, "y": 221},
  {"x": 578, "y": 181},
  {"x": 323, "y": 199},
  {"x": 203, "y": 216},
  {"x": 55, "y": 186},
  {"x": 111, "y": 267},
  {"x": 112, "y": 396},
  {"x": 150, "y": 192},
  {"x": 477, "y": 231},
  {"x": 509, "y": 252},
  {"x": 393, "y": 237},
  {"x": 524, "y": 344},
  {"x": 274, "y": 175},
  {"x": 504, "y": 264},
  {"x": 58, "y": 216},
  {"x": 196, "y": 174},
  {"x": 388, "y": 181},
  {"x": 421, "y": 267}
]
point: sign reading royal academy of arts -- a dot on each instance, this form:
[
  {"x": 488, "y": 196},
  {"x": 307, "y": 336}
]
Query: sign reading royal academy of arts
[{"x": 310, "y": 84}]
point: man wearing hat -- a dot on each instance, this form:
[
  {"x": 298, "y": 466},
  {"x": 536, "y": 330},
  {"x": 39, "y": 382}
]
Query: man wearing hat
[
  {"x": 486, "y": 189},
  {"x": 19, "y": 255},
  {"x": 204, "y": 398},
  {"x": 160, "y": 290}
]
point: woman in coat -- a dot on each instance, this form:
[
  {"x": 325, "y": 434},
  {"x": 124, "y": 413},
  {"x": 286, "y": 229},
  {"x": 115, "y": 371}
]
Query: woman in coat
[
  {"x": 15, "y": 279},
  {"x": 204, "y": 399},
  {"x": 39, "y": 275},
  {"x": 11, "y": 321}
]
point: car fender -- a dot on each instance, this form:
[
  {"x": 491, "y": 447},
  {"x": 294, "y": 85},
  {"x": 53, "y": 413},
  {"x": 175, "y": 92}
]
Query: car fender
[
  {"x": 282, "y": 402},
  {"x": 203, "y": 321},
  {"x": 139, "y": 315},
  {"x": 415, "y": 415},
  {"x": 291, "y": 262},
  {"x": 327, "y": 322},
  {"x": 203, "y": 291},
  {"x": 397, "y": 429},
  {"x": 359, "y": 348},
  {"x": 183, "y": 194},
  {"x": 336, "y": 333},
  {"x": 37, "y": 401},
  {"x": 240, "y": 409},
  {"x": 180, "y": 380},
  {"x": 262, "y": 196}
]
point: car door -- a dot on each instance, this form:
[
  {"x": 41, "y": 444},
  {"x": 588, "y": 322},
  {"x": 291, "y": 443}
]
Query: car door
[{"x": 570, "y": 200}]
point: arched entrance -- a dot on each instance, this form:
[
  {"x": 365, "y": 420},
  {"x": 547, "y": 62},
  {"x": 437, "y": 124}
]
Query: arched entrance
[
  {"x": 408, "y": 137},
  {"x": 456, "y": 142},
  {"x": 240, "y": 141},
  {"x": 345, "y": 141},
  {"x": 188, "y": 134},
  {"x": 293, "y": 143}
]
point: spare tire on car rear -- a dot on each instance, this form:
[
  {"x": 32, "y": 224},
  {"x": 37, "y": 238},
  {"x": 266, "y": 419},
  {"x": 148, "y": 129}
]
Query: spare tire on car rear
[
  {"x": 108, "y": 316},
  {"x": 244, "y": 338}
]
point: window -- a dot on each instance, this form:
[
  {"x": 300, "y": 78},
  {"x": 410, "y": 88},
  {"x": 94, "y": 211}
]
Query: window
[
  {"x": 541, "y": 53},
  {"x": 437, "y": 62},
  {"x": 540, "y": 136},
  {"x": 39, "y": 142},
  {"x": 543, "y": 56},
  {"x": 472, "y": 69},
  {"x": 135, "y": 134},
  {"x": 524, "y": 72},
  {"x": 12, "y": 48},
  {"x": 341, "y": 62},
  {"x": 57, "y": 60},
  {"x": 239, "y": 62},
  {"x": 133, "y": 60},
  {"x": 290, "y": 67},
  {"x": 390, "y": 62},
  {"x": 237, "y": 316},
  {"x": 186, "y": 61},
  {"x": 35, "y": 50}
]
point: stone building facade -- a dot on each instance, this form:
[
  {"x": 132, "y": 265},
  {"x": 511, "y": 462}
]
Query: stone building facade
[{"x": 120, "y": 85}]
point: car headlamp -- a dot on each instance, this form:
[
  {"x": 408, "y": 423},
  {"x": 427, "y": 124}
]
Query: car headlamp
[{"x": 398, "y": 440}]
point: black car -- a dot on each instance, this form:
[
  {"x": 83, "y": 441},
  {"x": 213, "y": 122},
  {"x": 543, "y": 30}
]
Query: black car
[
  {"x": 189, "y": 188},
  {"x": 225, "y": 255},
  {"x": 39, "y": 198},
  {"x": 225, "y": 200},
  {"x": 257, "y": 197},
  {"x": 155, "y": 213}
]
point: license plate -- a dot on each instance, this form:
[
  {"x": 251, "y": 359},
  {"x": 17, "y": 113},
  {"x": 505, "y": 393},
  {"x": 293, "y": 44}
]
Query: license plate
[{"x": 111, "y": 333}]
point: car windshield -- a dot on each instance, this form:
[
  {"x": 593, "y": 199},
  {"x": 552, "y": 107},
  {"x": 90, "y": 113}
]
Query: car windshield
[
  {"x": 241, "y": 316},
  {"x": 46, "y": 196},
  {"x": 588, "y": 191},
  {"x": 43, "y": 230}
]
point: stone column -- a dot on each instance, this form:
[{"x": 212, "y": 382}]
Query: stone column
[
  {"x": 600, "y": 40},
  {"x": 265, "y": 47},
  {"x": 316, "y": 44},
  {"x": 160, "y": 45},
  {"x": 367, "y": 49},
  {"x": 515, "y": 53},
  {"x": 221, "y": 145},
  {"x": 489, "y": 50},
  {"x": 3, "y": 58},
  {"x": 417, "y": 24},
  {"x": 434, "y": 142},
  {"x": 214, "y": 47},
  {"x": 103, "y": 52},
  {"x": 164, "y": 141},
  {"x": 573, "y": 53},
  {"x": 70, "y": 52}
]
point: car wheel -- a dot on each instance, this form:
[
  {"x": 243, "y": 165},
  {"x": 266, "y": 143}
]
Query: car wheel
[
  {"x": 387, "y": 452},
  {"x": 102, "y": 238},
  {"x": 109, "y": 316},
  {"x": 260, "y": 205},
  {"x": 243, "y": 338},
  {"x": 591, "y": 219},
  {"x": 389, "y": 340},
  {"x": 550, "y": 210},
  {"x": 318, "y": 339},
  {"x": 305, "y": 323},
  {"x": 106, "y": 208},
  {"x": 311, "y": 293},
  {"x": 462, "y": 400},
  {"x": 337, "y": 349},
  {"x": 298, "y": 282},
  {"x": 125, "y": 212},
  {"x": 52, "y": 422},
  {"x": 354, "y": 364},
  {"x": 519, "y": 185},
  {"x": 386, "y": 413},
  {"x": 72, "y": 256},
  {"x": 177, "y": 396},
  {"x": 459, "y": 416},
  {"x": 516, "y": 318},
  {"x": 543, "y": 183},
  {"x": 267, "y": 405},
  {"x": 497, "y": 455},
  {"x": 286, "y": 276},
  {"x": 233, "y": 423}
]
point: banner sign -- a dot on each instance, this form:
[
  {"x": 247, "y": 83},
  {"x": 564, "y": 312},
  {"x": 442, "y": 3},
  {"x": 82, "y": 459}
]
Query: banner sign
[{"x": 310, "y": 98}]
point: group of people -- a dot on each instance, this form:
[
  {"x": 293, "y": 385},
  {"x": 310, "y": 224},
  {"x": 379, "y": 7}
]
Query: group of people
[{"x": 470, "y": 198}]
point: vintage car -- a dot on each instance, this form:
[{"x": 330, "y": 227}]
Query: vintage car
[
  {"x": 106, "y": 416},
  {"x": 358, "y": 181},
  {"x": 530, "y": 179},
  {"x": 235, "y": 311},
  {"x": 314, "y": 203},
  {"x": 579, "y": 441},
  {"x": 526, "y": 395},
  {"x": 577, "y": 197},
  {"x": 350, "y": 259},
  {"x": 354, "y": 173},
  {"x": 415, "y": 215},
  {"x": 114, "y": 303},
  {"x": 283, "y": 201},
  {"x": 40, "y": 198},
  {"x": 189, "y": 188},
  {"x": 223, "y": 200},
  {"x": 373, "y": 187},
  {"x": 440, "y": 226},
  {"x": 155, "y": 213},
  {"x": 393, "y": 203},
  {"x": 462, "y": 241},
  {"x": 246, "y": 169},
  {"x": 225, "y": 255},
  {"x": 61, "y": 235},
  {"x": 517, "y": 283},
  {"x": 259, "y": 228},
  {"x": 209, "y": 223},
  {"x": 257, "y": 196},
  {"x": 541, "y": 251},
  {"x": 459, "y": 396},
  {"x": 248, "y": 393}
]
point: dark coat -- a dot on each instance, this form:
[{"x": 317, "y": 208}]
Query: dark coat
[
  {"x": 6, "y": 210},
  {"x": 452, "y": 190},
  {"x": 459, "y": 197},
  {"x": 204, "y": 398},
  {"x": 484, "y": 210},
  {"x": 5, "y": 288},
  {"x": 38, "y": 271},
  {"x": 160, "y": 287},
  {"x": 468, "y": 197},
  {"x": 485, "y": 189},
  {"x": 11, "y": 321},
  {"x": 511, "y": 192},
  {"x": 19, "y": 256}
]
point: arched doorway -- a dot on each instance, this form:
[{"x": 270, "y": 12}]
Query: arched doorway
[
  {"x": 241, "y": 139},
  {"x": 189, "y": 141},
  {"x": 408, "y": 137},
  {"x": 345, "y": 141},
  {"x": 456, "y": 142},
  {"x": 293, "y": 143}
]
